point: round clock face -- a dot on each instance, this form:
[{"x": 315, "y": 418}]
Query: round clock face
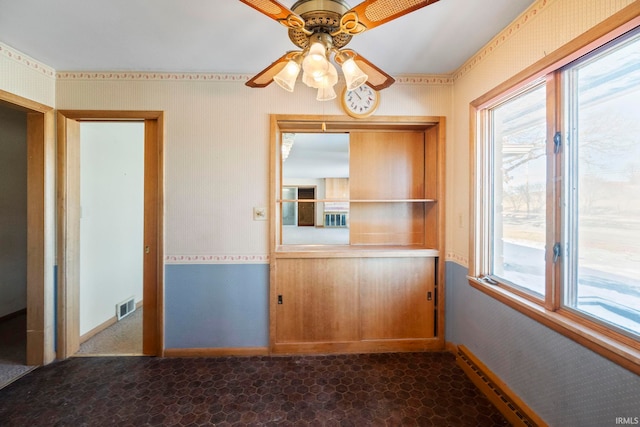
[{"x": 360, "y": 102}]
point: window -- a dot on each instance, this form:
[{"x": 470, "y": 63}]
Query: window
[
  {"x": 518, "y": 230},
  {"x": 557, "y": 199},
  {"x": 602, "y": 190}
]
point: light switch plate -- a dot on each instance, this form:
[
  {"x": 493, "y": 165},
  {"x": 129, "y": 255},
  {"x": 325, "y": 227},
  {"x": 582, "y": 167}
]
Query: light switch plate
[{"x": 259, "y": 214}]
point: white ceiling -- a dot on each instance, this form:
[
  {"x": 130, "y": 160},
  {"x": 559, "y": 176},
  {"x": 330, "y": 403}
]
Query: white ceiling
[
  {"x": 318, "y": 155},
  {"x": 226, "y": 36}
]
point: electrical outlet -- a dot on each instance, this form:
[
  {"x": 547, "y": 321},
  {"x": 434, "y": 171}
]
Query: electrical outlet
[{"x": 259, "y": 214}]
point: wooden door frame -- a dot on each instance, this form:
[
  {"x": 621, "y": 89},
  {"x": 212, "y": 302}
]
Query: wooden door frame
[
  {"x": 68, "y": 127},
  {"x": 40, "y": 226}
]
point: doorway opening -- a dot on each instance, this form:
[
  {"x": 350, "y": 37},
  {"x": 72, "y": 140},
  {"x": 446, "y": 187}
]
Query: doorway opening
[
  {"x": 111, "y": 237},
  {"x": 89, "y": 252},
  {"x": 31, "y": 302},
  {"x": 13, "y": 244},
  {"x": 306, "y": 211}
]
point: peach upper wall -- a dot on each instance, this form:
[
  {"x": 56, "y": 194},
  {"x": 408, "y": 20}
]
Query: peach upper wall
[{"x": 217, "y": 138}]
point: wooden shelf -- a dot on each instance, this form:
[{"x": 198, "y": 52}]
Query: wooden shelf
[
  {"x": 357, "y": 200},
  {"x": 393, "y": 201},
  {"x": 354, "y": 251}
]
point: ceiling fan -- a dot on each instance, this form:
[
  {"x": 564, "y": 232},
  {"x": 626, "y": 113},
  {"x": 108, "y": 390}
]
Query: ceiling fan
[{"x": 321, "y": 29}]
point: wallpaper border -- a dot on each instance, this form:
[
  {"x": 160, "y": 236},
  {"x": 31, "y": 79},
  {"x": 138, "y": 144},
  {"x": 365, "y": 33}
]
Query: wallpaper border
[
  {"x": 26, "y": 60},
  {"x": 431, "y": 79},
  {"x": 523, "y": 19},
  {"x": 458, "y": 259},
  {"x": 260, "y": 259},
  {"x": 217, "y": 259}
]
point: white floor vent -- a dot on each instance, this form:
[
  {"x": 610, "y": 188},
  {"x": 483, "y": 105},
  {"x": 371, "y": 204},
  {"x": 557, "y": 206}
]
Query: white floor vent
[{"x": 125, "y": 308}]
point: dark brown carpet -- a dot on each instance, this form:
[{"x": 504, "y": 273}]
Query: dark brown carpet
[{"x": 397, "y": 389}]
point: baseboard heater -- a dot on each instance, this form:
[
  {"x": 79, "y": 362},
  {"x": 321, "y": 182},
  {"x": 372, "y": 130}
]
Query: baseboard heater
[
  {"x": 125, "y": 308},
  {"x": 513, "y": 409}
]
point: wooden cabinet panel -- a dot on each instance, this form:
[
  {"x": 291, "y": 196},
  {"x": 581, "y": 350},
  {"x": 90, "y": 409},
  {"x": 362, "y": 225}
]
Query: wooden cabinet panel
[
  {"x": 386, "y": 165},
  {"x": 319, "y": 300},
  {"x": 394, "y": 298},
  {"x": 400, "y": 223},
  {"x": 354, "y": 299}
]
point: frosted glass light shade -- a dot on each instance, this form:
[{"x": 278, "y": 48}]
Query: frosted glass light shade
[
  {"x": 286, "y": 78},
  {"x": 326, "y": 93},
  {"x": 330, "y": 78},
  {"x": 353, "y": 75},
  {"x": 315, "y": 64}
]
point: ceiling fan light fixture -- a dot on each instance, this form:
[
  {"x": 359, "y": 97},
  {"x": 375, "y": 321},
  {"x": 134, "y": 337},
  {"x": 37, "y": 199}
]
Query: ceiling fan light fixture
[
  {"x": 323, "y": 27},
  {"x": 286, "y": 78},
  {"x": 316, "y": 64},
  {"x": 328, "y": 80},
  {"x": 326, "y": 93},
  {"x": 353, "y": 75},
  {"x": 331, "y": 78}
]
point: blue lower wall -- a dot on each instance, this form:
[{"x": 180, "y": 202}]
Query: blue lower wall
[
  {"x": 216, "y": 306},
  {"x": 563, "y": 382}
]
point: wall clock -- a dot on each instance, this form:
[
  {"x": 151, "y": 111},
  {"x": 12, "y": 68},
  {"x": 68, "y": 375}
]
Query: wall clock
[{"x": 360, "y": 102}]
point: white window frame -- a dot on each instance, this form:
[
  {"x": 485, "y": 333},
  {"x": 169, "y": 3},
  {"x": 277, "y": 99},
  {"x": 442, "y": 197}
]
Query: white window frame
[{"x": 605, "y": 340}]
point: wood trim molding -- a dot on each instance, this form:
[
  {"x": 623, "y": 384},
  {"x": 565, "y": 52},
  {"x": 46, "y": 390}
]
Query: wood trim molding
[
  {"x": 23, "y": 104},
  {"x": 368, "y": 346},
  {"x": 110, "y": 115},
  {"x": 216, "y": 352},
  {"x": 68, "y": 237},
  {"x": 514, "y": 409},
  {"x": 101, "y": 327},
  {"x": 68, "y": 326},
  {"x": 40, "y": 145},
  {"x": 104, "y": 325}
]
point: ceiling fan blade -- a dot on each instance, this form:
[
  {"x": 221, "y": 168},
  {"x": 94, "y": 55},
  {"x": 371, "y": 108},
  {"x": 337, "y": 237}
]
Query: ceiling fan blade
[
  {"x": 265, "y": 77},
  {"x": 277, "y": 11},
  {"x": 377, "y": 79},
  {"x": 372, "y": 13}
]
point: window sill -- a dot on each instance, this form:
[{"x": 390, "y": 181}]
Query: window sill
[{"x": 619, "y": 353}]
